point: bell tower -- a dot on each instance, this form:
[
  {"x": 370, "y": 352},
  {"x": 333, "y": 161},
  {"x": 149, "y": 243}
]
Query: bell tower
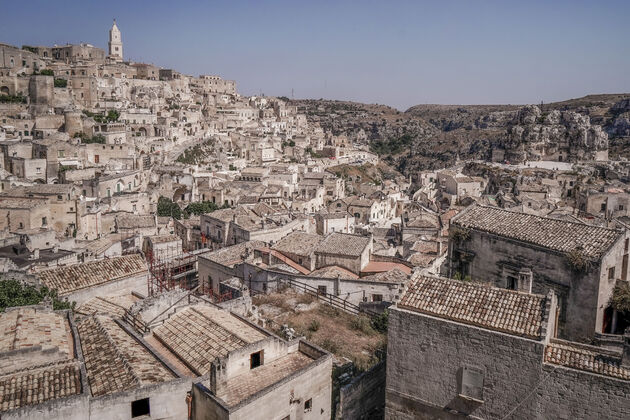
[{"x": 115, "y": 43}]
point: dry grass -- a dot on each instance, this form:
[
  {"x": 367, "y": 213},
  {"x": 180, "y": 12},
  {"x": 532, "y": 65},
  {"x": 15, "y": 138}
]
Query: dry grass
[{"x": 342, "y": 334}]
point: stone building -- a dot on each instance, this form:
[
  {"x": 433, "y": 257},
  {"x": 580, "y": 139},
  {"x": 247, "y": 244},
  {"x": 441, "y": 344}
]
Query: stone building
[
  {"x": 580, "y": 263},
  {"x": 81, "y": 282},
  {"x": 345, "y": 250},
  {"x": 458, "y": 349}
]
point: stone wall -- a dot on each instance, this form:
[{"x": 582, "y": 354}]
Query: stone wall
[
  {"x": 364, "y": 397},
  {"x": 426, "y": 356},
  {"x": 137, "y": 283},
  {"x": 494, "y": 257}
]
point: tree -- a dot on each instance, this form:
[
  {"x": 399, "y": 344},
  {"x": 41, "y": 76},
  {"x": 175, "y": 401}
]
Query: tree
[
  {"x": 14, "y": 293},
  {"x": 167, "y": 208},
  {"x": 202, "y": 207},
  {"x": 112, "y": 116}
]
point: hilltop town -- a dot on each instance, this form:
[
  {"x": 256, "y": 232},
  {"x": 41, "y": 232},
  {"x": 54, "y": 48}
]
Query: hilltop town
[{"x": 173, "y": 249}]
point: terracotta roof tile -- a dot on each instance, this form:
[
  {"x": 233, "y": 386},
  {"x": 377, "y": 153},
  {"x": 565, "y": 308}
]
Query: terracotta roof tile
[
  {"x": 201, "y": 333},
  {"x": 587, "y": 358},
  {"x": 80, "y": 276},
  {"x": 476, "y": 304},
  {"x": 38, "y": 385},
  {"x": 114, "y": 360},
  {"x": 557, "y": 235},
  {"x": 343, "y": 244}
]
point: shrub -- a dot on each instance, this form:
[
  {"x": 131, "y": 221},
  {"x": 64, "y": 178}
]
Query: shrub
[
  {"x": 99, "y": 139},
  {"x": 380, "y": 323},
  {"x": 577, "y": 261},
  {"x": 61, "y": 83},
  {"x": 47, "y": 72},
  {"x": 620, "y": 299},
  {"x": 363, "y": 324},
  {"x": 330, "y": 345},
  {"x": 12, "y": 99},
  {"x": 314, "y": 326},
  {"x": 112, "y": 116}
]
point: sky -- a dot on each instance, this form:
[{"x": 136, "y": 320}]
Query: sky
[{"x": 398, "y": 53}]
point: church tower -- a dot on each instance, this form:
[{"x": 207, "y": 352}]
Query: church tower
[{"x": 115, "y": 43}]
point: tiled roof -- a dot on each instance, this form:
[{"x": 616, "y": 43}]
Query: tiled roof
[
  {"x": 503, "y": 310},
  {"x": 585, "y": 358},
  {"x": 241, "y": 387},
  {"x": 343, "y": 244},
  {"x": 395, "y": 276},
  {"x": 385, "y": 266},
  {"x": 38, "y": 385},
  {"x": 29, "y": 326},
  {"x": 299, "y": 243},
  {"x": 80, "y": 276},
  {"x": 234, "y": 254},
  {"x": 114, "y": 360},
  {"x": 110, "y": 305},
  {"x": 332, "y": 271},
  {"x": 557, "y": 235},
  {"x": 201, "y": 333},
  {"x": 36, "y": 357},
  {"x": 134, "y": 221}
]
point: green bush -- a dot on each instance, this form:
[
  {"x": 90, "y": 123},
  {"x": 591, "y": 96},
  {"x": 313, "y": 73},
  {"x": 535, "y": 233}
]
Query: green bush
[
  {"x": 112, "y": 116},
  {"x": 314, "y": 326},
  {"x": 47, "y": 72},
  {"x": 202, "y": 207},
  {"x": 166, "y": 208},
  {"x": 12, "y": 99},
  {"x": 391, "y": 146},
  {"x": 99, "y": 139},
  {"x": 379, "y": 323},
  {"x": 13, "y": 293},
  {"x": 363, "y": 324},
  {"x": 61, "y": 83}
]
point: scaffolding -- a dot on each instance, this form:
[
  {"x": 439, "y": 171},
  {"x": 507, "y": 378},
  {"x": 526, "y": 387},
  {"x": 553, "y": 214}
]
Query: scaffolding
[{"x": 171, "y": 269}]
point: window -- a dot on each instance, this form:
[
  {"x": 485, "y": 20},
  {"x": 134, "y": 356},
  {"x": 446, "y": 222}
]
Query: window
[
  {"x": 620, "y": 206},
  {"x": 140, "y": 408},
  {"x": 625, "y": 247},
  {"x": 308, "y": 405},
  {"x": 256, "y": 359},
  {"x": 44, "y": 221},
  {"x": 321, "y": 290},
  {"x": 60, "y": 153},
  {"x": 60, "y": 197},
  {"x": 377, "y": 298},
  {"x": 603, "y": 207},
  {"x": 512, "y": 283},
  {"x": 611, "y": 273},
  {"x": 38, "y": 170}
]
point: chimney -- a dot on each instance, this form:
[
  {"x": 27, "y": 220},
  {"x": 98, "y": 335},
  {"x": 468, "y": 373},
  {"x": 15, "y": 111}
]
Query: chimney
[{"x": 56, "y": 248}]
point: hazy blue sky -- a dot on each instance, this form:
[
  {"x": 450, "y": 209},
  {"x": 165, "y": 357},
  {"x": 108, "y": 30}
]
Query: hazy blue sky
[{"x": 398, "y": 53}]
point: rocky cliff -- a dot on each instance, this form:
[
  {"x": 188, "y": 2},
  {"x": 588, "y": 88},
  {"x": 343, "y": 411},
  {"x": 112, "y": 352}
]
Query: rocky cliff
[{"x": 433, "y": 136}]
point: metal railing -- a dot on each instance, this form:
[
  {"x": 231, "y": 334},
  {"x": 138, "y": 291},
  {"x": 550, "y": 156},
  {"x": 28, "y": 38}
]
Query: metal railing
[{"x": 327, "y": 298}]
